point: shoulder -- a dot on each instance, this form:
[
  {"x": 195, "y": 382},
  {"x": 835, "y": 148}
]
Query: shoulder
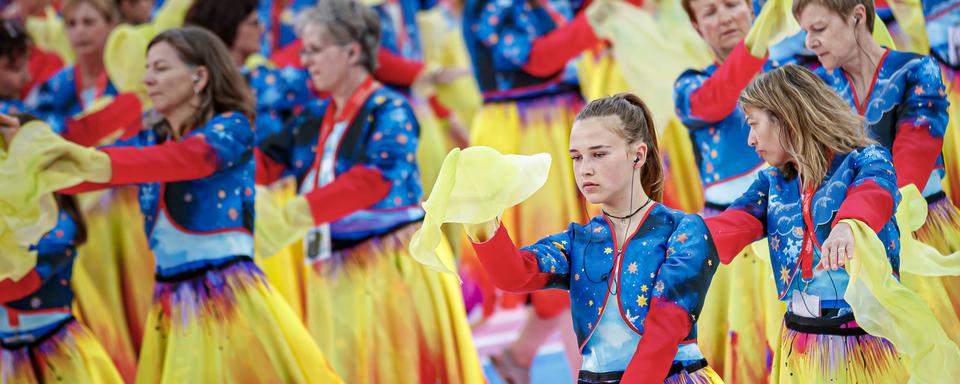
[{"x": 385, "y": 103}]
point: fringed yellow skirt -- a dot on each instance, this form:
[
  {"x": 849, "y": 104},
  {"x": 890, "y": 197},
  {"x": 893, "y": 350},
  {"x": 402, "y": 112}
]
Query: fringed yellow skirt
[
  {"x": 740, "y": 321},
  {"x": 381, "y": 317},
  {"x": 285, "y": 269},
  {"x": 819, "y": 358},
  {"x": 705, "y": 375},
  {"x": 113, "y": 275},
  {"x": 226, "y": 325},
  {"x": 529, "y": 127},
  {"x": 942, "y": 294},
  {"x": 70, "y": 355}
]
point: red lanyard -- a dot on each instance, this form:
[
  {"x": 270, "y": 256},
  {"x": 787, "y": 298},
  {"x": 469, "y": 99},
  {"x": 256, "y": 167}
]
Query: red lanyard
[
  {"x": 345, "y": 115},
  {"x": 809, "y": 235},
  {"x": 100, "y": 86}
]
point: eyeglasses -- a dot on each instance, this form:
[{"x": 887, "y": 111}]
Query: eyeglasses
[{"x": 307, "y": 52}]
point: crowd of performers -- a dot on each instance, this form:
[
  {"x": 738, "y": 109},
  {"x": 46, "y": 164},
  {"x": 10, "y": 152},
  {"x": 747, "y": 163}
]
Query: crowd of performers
[{"x": 232, "y": 191}]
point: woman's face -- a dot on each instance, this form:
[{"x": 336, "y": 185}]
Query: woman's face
[
  {"x": 602, "y": 161},
  {"x": 171, "y": 83},
  {"x": 765, "y": 137},
  {"x": 326, "y": 61},
  {"x": 830, "y": 36},
  {"x": 14, "y": 76},
  {"x": 722, "y": 23},
  {"x": 87, "y": 30},
  {"x": 247, "y": 40}
]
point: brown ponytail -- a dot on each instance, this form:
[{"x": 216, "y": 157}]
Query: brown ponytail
[{"x": 637, "y": 126}]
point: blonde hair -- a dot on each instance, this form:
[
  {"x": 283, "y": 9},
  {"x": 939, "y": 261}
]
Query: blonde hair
[
  {"x": 107, "y": 8},
  {"x": 843, "y": 8},
  {"x": 813, "y": 121},
  {"x": 637, "y": 125}
]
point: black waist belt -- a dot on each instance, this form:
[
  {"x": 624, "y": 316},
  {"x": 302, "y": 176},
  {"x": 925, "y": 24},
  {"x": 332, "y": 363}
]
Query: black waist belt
[
  {"x": 26, "y": 340},
  {"x": 218, "y": 265},
  {"x": 823, "y": 326},
  {"x": 587, "y": 377}
]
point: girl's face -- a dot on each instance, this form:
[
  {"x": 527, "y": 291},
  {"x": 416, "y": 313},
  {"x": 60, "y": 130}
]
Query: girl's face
[
  {"x": 87, "y": 29},
  {"x": 765, "y": 136},
  {"x": 603, "y": 163},
  {"x": 171, "y": 83}
]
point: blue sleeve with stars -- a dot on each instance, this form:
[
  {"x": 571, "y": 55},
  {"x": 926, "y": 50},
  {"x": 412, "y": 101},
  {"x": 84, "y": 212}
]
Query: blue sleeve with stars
[
  {"x": 231, "y": 137},
  {"x": 553, "y": 258},
  {"x": 754, "y": 200},
  {"x": 392, "y": 149},
  {"x": 875, "y": 164},
  {"x": 689, "y": 266},
  {"x": 925, "y": 102},
  {"x": 688, "y": 83},
  {"x": 498, "y": 28}
]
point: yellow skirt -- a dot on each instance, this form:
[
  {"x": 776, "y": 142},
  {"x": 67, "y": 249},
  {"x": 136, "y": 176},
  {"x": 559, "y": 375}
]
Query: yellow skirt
[
  {"x": 381, "y": 317},
  {"x": 705, "y": 375},
  {"x": 529, "y": 127},
  {"x": 740, "y": 321},
  {"x": 113, "y": 275},
  {"x": 227, "y": 325},
  {"x": 71, "y": 355},
  {"x": 811, "y": 358},
  {"x": 942, "y": 294},
  {"x": 285, "y": 269}
]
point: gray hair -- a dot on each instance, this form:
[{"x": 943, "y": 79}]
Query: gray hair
[{"x": 346, "y": 21}]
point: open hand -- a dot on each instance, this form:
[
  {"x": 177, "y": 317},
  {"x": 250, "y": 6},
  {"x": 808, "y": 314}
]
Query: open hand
[{"x": 838, "y": 248}]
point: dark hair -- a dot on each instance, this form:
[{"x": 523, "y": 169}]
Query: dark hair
[
  {"x": 226, "y": 88},
  {"x": 346, "y": 21},
  {"x": 14, "y": 41},
  {"x": 637, "y": 125},
  {"x": 67, "y": 203},
  {"x": 223, "y": 18}
]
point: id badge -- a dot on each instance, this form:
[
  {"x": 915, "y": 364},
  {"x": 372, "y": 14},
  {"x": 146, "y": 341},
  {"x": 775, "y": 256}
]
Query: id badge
[
  {"x": 802, "y": 304},
  {"x": 316, "y": 245}
]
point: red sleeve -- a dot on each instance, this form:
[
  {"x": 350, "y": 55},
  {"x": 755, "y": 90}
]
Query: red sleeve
[
  {"x": 288, "y": 56},
  {"x": 665, "y": 326},
  {"x": 189, "y": 159},
  {"x": 42, "y": 66},
  {"x": 510, "y": 269},
  {"x": 11, "y": 290},
  {"x": 869, "y": 203},
  {"x": 358, "y": 188},
  {"x": 396, "y": 70},
  {"x": 717, "y": 97},
  {"x": 915, "y": 153},
  {"x": 84, "y": 187},
  {"x": 268, "y": 170},
  {"x": 551, "y": 52},
  {"x": 123, "y": 114},
  {"x": 733, "y": 230}
]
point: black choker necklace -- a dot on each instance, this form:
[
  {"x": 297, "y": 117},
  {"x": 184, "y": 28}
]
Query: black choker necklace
[{"x": 630, "y": 215}]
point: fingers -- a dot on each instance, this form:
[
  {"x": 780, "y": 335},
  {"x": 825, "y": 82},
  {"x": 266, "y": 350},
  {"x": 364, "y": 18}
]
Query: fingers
[{"x": 833, "y": 256}]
